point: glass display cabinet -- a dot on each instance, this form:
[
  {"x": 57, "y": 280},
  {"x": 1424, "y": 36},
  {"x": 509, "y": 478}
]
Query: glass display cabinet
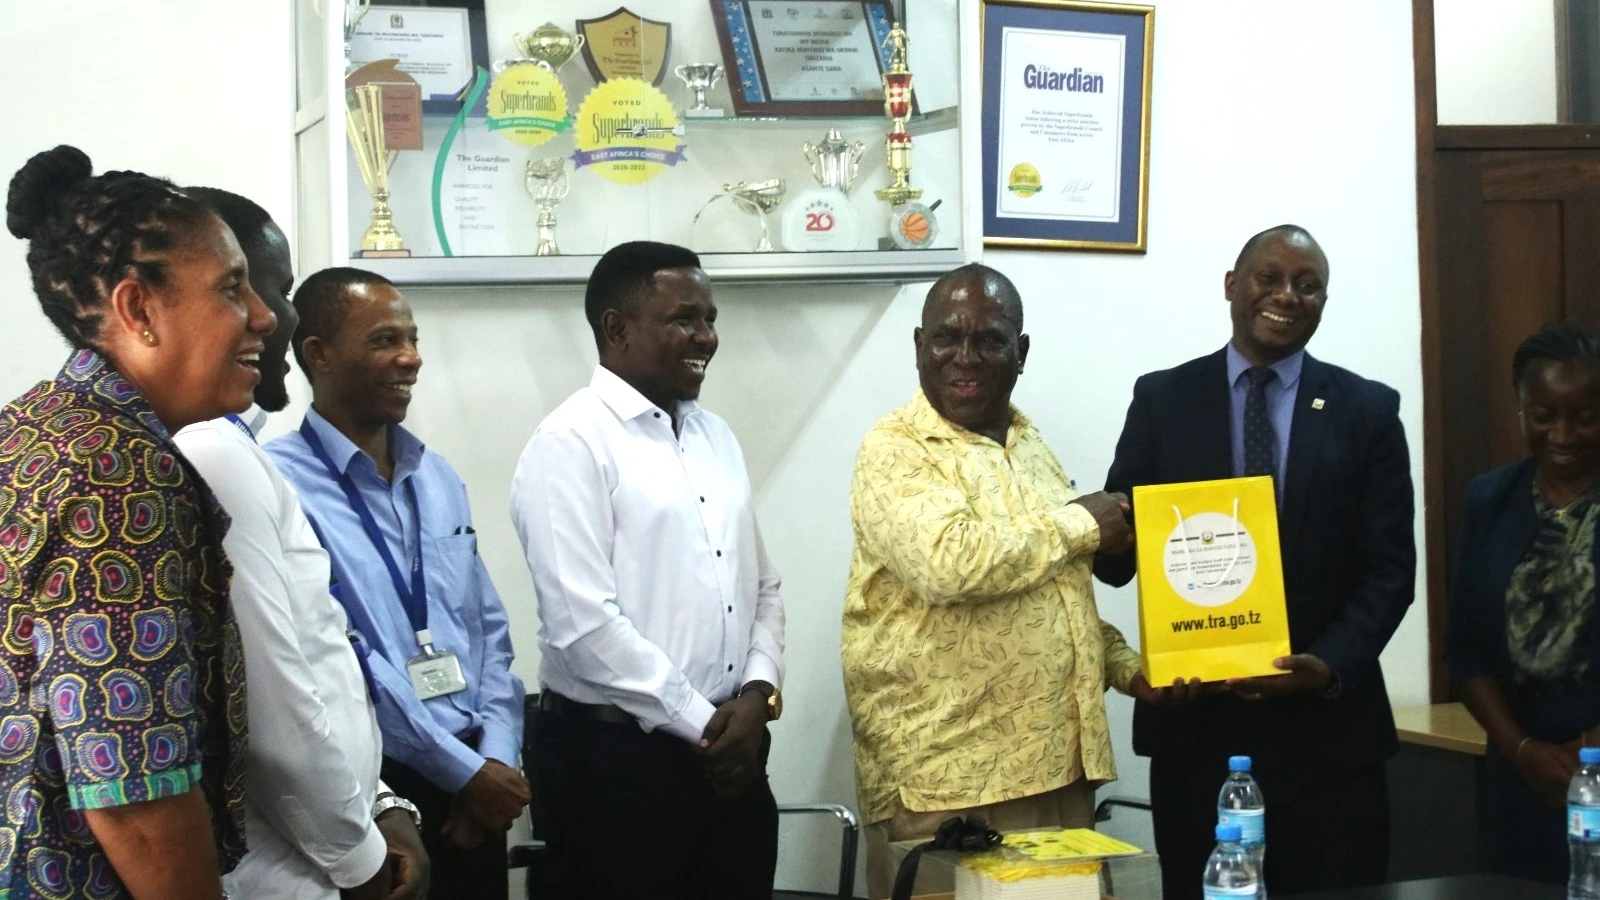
[{"x": 514, "y": 141}]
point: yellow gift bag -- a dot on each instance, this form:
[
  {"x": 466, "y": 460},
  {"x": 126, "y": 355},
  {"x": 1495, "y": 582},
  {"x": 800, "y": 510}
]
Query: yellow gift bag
[{"x": 1211, "y": 600}]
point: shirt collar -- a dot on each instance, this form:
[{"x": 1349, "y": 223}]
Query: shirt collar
[
  {"x": 1288, "y": 368},
  {"x": 251, "y": 421},
  {"x": 405, "y": 446},
  {"x": 930, "y": 424},
  {"x": 625, "y": 399}
]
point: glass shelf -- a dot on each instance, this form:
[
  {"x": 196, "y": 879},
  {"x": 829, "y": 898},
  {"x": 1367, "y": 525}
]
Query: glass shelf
[
  {"x": 842, "y": 266},
  {"x": 920, "y": 124}
]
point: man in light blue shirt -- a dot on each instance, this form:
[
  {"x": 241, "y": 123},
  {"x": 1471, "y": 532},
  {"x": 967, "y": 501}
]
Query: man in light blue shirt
[{"x": 395, "y": 520}]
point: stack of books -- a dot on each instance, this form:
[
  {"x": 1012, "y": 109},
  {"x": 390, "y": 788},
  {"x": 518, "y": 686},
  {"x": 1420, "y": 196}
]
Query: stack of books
[{"x": 1040, "y": 865}]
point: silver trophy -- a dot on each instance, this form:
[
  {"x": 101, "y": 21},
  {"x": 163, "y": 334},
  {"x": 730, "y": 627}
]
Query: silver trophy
[
  {"x": 354, "y": 12},
  {"x": 758, "y": 198},
  {"x": 546, "y": 182},
  {"x": 699, "y": 78},
  {"x": 835, "y": 162}
]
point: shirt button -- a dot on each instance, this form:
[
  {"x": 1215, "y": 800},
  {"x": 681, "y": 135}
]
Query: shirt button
[
  {"x": 730, "y": 667},
  {"x": 702, "y": 499},
  {"x": 730, "y": 609},
  {"x": 657, "y": 415},
  {"x": 719, "y": 552}
]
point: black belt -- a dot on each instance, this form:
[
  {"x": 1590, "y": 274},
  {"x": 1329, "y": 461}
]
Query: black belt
[{"x": 554, "y": 704}]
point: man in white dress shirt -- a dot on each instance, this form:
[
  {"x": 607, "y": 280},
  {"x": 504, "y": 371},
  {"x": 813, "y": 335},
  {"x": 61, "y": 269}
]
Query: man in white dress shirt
[
  {"x": 318, "y": 823},
  {"x": 661, "y": 629}
]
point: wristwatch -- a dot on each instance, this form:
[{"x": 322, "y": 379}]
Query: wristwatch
[
  {"x": 386, "y": 802},
  {"x": 774, "y": 702}
]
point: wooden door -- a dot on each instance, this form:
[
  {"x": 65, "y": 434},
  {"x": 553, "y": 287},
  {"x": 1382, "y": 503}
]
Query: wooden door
[{"x": 1517, "y": 246}]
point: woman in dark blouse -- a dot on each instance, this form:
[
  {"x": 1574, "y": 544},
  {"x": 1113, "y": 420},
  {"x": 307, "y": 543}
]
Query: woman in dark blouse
[
  {"x": 122, "y": 704},
  {"x": 1521, "y": 644}
]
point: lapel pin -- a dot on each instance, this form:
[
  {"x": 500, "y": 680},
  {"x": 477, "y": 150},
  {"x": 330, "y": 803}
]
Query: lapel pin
[{"x": 1318, "y": 403}]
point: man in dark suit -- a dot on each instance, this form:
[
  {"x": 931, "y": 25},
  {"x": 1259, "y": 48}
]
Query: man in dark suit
[{"x": 1334, "y": 445}]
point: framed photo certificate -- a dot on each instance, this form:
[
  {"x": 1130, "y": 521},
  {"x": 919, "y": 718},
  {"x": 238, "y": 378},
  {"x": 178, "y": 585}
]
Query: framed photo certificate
[
  {"x": 439, "y": 44},
  {"x": 804, "y": 57},
  {"x": 1066, "y": 124}
]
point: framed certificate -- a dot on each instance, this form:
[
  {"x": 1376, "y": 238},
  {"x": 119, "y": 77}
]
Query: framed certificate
[
  {"x": 440, "y": 45},
  {"x": 804, "y": 57},
  {"x": 1066, "y": 124}
]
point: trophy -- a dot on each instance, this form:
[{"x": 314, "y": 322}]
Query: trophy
[
  {"x": 546, "y": 182},
  {"x": 822, "y": 217},
  {"x": 549, "y": 46},
  {"x": 834, "y": 162},
  {"x": 699, "y": 78},
  {"x": 755, "y": 197},
  {"x": 363, "y": 124},
  {"x": 897, "y": 104},
  {"x": 354, "y": 11},
  {"x": 758, "y": 198}
]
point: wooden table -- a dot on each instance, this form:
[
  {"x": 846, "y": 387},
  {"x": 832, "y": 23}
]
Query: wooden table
[{"x": 1446, "y": 726}]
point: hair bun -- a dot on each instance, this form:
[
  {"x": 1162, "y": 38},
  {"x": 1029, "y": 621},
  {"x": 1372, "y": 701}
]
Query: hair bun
[{"x": 39, "y": 186}]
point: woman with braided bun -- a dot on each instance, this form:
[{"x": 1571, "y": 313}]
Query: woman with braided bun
[
  {"x": 122, "y": 696},
  {"x": 1522, "y": 641}
]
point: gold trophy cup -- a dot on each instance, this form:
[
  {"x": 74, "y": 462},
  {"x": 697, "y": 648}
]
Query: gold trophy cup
[
  {"x": 549, "y": 46},
  {"x": 363, "y": 124}
]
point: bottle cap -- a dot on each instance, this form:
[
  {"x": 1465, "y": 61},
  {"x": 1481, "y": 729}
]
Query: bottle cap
[
  {"x": 1238, "y": 764},
  {"x": 1228, "y": 833},
  {"x": 1589, "y": 756}
]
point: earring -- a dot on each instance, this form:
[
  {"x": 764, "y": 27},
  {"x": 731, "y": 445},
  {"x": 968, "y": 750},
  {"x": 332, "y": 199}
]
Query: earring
[{"x": 149, "y": 338}]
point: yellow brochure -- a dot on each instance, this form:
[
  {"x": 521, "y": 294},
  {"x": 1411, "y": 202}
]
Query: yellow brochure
[{"x": 1211, "y": 602}]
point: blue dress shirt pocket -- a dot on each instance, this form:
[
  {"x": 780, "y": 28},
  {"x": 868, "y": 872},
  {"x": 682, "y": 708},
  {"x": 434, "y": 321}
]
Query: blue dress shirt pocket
[{"x": 455, "y": 603}]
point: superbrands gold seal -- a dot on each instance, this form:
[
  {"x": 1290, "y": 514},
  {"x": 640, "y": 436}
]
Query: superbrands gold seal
[
  {"x": 527, "y": 105},
  {"x": 627, "y": 131},
  {"x": 1024, "y": 180}
]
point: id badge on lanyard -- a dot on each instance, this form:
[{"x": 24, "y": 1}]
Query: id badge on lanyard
[{"x": 434, "y": 672}]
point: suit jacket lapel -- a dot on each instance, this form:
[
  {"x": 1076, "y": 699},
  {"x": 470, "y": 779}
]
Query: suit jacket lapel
[
  {"x": 1305, "y": 440},
  {"x": 1213, "y": 445}
]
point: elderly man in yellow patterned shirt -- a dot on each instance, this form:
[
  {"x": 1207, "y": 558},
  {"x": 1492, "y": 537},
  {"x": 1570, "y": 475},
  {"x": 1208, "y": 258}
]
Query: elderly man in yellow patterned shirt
[{"x": 975, "y": 662}]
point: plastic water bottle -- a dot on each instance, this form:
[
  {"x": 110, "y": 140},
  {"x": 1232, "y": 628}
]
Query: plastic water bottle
[
  {"x": 1230, "y": 872},
  {"x": 1583, "y": 827},
  {"x": 1240, "y": 803}
]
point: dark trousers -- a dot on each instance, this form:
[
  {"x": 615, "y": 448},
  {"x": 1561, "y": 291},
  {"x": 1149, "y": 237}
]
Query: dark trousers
[
  {"x": 478, "y": 874},
  {"x": 628, "y": 814},
  {"x": 1527, "y": 839},
  {"x": 1326, "y": 828}
]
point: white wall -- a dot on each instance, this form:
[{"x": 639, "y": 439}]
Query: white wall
[
  {"x": 198, "y": 91},
  {"x": 1496, "y": 61},
  {"x": 805, "y": 370}
]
